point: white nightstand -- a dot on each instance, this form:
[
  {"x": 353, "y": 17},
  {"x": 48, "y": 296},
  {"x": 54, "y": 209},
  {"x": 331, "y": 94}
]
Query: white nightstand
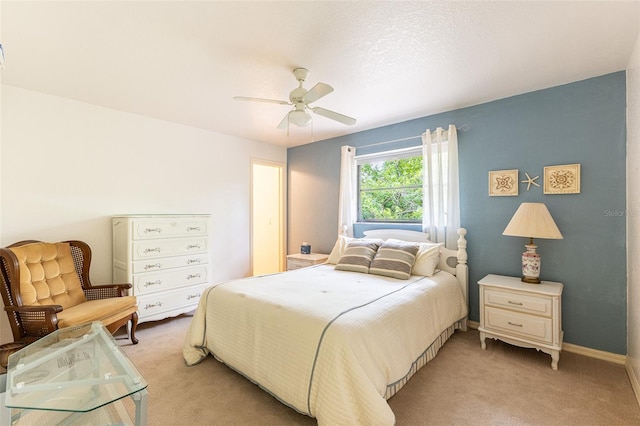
[
  {"x": 527, "y": 315},
  {"x": 297, "y": 261}
]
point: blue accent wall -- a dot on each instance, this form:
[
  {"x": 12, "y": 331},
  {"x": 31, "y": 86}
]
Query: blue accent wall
[{"x": 581, "y": 122}]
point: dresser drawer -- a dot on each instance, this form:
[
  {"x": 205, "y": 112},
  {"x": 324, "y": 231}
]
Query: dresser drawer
[
  {"x": 145, "y": 229},
  {"x": 169, "y": 247},
  {"x": 157, "y": 303},
  {"x": 517, "y": 324},
  {"x": 529, "y": 303},
  {"x": 163, "y": 263},
  {"x": 167, "y": 280}
]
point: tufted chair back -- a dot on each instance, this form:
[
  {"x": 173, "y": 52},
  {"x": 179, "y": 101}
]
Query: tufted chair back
[
  {"x": 48, "y": 275},
  {"x": 46, "y": 286}
]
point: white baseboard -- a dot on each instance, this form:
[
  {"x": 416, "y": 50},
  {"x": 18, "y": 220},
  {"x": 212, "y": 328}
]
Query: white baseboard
[
  {"x": 581, "y": 350},
  {"x": 473, "y": 324},
  {"x": 633, "y": 378},
  {"x": 595, "y": 353}
]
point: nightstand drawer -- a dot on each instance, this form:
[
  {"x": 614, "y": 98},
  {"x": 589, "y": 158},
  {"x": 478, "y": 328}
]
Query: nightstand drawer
[
  {"x": 297, "y": 261},
  {"x": 297, "y": 264},
  {"x": 528, "y": 326},
  {"x": 538, "y": 305}
]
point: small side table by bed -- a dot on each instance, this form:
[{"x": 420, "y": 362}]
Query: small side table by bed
[
  {"x": 522, "y": 314},
  {"x": 297, "y": 261}
]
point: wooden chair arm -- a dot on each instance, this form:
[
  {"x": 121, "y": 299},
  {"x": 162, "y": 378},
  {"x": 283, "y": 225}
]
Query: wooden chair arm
[
  {"x": 106, "y": 291},
  {"x": 37, "y": 321}
]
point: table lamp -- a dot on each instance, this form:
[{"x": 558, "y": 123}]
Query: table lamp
[{"x": 532, "y": 220}]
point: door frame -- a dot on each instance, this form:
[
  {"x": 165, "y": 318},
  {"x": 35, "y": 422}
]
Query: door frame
[{"x": 282, "y": 209}]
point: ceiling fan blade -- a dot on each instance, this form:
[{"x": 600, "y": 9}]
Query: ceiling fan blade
[
  {"x": 316, "y": 92},
  {"x": 334, "y": 116},
  {"x": 284, "y": 124},
  {"x": 271, "y": 101}
]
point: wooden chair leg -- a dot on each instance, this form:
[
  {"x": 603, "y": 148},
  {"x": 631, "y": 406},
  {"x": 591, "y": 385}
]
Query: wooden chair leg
[{"x": 134, "y": 325}]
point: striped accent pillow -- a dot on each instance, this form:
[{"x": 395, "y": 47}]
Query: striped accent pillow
[
  {"x": 358, "y": 255},
  {"x": 394, "y": 259}
]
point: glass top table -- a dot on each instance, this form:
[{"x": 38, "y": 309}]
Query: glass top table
[{"x": 73, "y": 370}]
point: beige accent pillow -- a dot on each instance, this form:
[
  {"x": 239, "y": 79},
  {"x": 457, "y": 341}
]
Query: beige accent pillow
[
  {"x": 358, "y": 255},
  {"x": 394, "y": 259}
]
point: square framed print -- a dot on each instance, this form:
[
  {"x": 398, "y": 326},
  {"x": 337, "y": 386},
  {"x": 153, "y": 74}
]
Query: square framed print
[
  {"x": 503, "y": 183},
  {"x": 563, "y": 179}
]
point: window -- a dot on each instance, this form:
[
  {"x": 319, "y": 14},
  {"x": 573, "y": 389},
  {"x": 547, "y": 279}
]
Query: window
[{"x": 390, "y": 186}]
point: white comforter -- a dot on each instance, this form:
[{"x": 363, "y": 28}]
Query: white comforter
[{"x": 325, "y": 342}]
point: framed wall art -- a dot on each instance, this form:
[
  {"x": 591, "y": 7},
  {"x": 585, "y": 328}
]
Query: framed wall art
[
  {"x": 564, "y": 179},
  {"x": 503, "y": 183}
]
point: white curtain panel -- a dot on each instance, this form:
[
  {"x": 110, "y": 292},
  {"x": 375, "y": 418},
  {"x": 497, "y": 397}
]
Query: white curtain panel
[
  {"x": 348, "y": 203},
  {"x": 441, "y": 192}
]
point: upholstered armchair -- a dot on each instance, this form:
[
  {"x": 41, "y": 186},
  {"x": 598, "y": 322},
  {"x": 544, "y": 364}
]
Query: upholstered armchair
[{"x": 45, "y": 286}]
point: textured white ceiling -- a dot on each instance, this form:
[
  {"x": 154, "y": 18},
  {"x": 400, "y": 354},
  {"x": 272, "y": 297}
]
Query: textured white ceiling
[{"x": 388, "y": 62}]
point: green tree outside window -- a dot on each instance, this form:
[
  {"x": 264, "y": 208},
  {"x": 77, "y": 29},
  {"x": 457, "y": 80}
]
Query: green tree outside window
[{"x": 391, "y": 191}]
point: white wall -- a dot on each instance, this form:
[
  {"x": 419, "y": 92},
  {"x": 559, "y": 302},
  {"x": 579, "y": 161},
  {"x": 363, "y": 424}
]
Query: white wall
[
  {"x": 633, "y": 219},
  {"x": 66, "y": 167}
]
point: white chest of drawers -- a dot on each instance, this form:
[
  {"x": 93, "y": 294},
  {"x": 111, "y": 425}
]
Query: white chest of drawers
[
  {"x": 166, "y": 258},
  {"x": 527, "y": 315}
]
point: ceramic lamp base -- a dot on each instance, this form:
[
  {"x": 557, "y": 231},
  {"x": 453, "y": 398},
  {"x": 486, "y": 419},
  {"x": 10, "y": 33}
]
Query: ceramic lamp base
[{"x": 531, "y": 265}]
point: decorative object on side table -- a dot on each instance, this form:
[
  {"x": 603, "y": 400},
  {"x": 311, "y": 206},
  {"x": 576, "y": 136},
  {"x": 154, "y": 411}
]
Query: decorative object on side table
[
  {"x": 529, "y": 316},
  {"x": 503, "y": 183},
  {"x": 532, "y": 220},
  {"x": 563, "y": 179}
]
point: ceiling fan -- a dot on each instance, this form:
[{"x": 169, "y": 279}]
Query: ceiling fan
[{"x": 300, "y": 98}]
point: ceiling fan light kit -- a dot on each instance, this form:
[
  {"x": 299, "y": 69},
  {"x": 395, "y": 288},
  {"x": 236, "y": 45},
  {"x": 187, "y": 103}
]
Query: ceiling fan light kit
[
  {"x": 300, "y": 98},
  {"x": 299, "y": 118}
]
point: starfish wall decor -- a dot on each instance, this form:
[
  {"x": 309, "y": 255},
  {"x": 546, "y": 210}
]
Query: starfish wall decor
[{"x": 530, "y": 181}]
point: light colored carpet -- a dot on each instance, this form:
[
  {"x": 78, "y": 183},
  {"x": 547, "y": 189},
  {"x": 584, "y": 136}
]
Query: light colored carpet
[{"x": 463, "y": 385}]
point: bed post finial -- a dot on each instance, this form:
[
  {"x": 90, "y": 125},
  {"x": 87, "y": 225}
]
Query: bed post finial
[{"x": 462, "y": 246}]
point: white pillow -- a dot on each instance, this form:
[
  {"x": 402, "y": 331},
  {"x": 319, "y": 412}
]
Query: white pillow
[
  {"x": 427, "y": 259},
  {"x": 338, "y": 249},
  {"x": 398, "y": 234}
]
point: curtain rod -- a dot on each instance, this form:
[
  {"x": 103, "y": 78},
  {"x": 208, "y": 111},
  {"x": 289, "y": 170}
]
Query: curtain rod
[{"x": 463, "y": 128}]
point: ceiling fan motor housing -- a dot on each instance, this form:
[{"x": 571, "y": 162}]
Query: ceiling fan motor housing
[{"x": 297, "y": 94}]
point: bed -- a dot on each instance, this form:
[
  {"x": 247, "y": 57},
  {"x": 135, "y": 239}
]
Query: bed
[{"x": 331, "y": 343}]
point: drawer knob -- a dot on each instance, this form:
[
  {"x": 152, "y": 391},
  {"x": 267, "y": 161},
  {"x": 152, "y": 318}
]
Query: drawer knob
[
  {"x": 191, "y": 276},
  {"x": 151, "y": 250},
  {"x": 190, "y": 261},
  {"x": 153, "y": 305},
  {"x": 193, "y": 228},
  {"x": 153, "y": 266},
  {"x": 515, "y": 303},
  {"x": 156, "y": 282},
  {"x": 193, "y": 296},
  {"x": 148, "y": 230},
  {"x": 514, "y": 324},
  {"x": 193, "y": 246}
]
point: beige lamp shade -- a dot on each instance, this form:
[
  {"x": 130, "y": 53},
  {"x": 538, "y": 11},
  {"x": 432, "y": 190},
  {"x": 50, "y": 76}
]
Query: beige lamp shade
[{"x": 533, "y": 220}]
